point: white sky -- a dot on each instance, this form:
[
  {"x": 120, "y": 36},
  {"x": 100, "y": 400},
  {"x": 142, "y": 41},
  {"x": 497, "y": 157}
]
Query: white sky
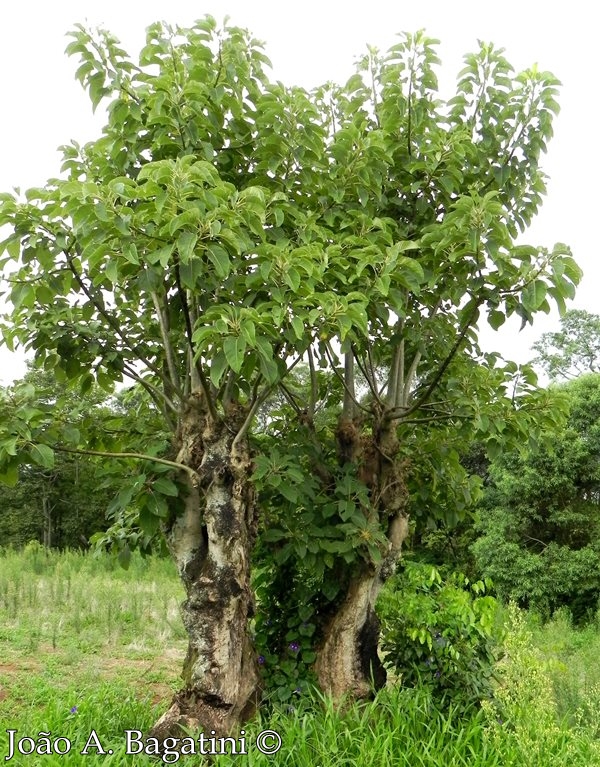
[{"x": 310, "y": 42}]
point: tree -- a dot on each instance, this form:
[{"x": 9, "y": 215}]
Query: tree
[
  {"x": 574, "y": 350},
  {"x": 226, "y": 229},
  {"x": 62, "y": 500},
  {"x": 539, "y": 535},
  {"x": 58, "y": 500}
]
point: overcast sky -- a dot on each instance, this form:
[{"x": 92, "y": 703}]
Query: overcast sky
[{"x": 310, "y": 42}]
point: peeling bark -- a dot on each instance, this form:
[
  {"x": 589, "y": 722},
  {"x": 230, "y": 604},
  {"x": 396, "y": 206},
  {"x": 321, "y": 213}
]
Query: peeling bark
[
  {"x": 211, "y": 543},
  {"x": 348, "y": 664}
]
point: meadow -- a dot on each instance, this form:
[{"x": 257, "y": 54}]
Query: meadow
[{"x": 86, "y": 646}]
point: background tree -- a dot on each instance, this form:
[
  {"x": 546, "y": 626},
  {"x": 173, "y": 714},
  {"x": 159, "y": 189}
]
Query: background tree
[
  {"x": 59, "y": 500},
  {"x": 573, "y": 350},
  {"x": 225, "y": 229},
  {"x": 538, "y": 523}
]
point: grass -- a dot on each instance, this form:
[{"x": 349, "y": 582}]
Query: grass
[{"x": 86, "y": 646}]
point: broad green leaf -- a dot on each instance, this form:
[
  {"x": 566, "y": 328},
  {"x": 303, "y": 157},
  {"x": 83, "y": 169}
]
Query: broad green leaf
[
  {"x": 9, "y": 473},
  {"x": 112, "y": 270},
  {"x": 496, "y": 319},
  {"x": 71, "y": 434},
  {"x": 234, "y": 348},
  {"x": 186, "y": 242},
  {"x": 165, "y": 486},
  {"x": 42, "y": 455},
  {"x": 218, "y": 366},
  {"x": 298, "y": 326},
  {"x": 219, "y": 257},
  {"x": 534, "y": 295}
]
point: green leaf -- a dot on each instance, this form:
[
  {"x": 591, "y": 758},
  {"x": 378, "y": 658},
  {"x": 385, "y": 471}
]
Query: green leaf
[
  {"x": 191, "y": 273},
  {"x": 165, "y": 486},
  {"x": 9, "y": 474},
  {"x": 298, "y": 326},
  {"x": 124, "y": 557},
  {"x": 409, "y": 273},
  {"x": 186, "y": 242},
  {"x": 496, "y": 319},
  {"x": 534, "y": 295},
  {"x": 148, "y": 522},
  {"x": 218, "y": 366},
  {"x": 234, "y": 348},
  {"x": 112, "y": 271},
  {"x": 219, "y": 257},
  {"x": 42, "y": 455},
  {"x": 71, "y": 434}
]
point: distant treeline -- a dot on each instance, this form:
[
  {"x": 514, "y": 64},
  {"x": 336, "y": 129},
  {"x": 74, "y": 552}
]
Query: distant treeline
[{"x": 59, "y": 507}]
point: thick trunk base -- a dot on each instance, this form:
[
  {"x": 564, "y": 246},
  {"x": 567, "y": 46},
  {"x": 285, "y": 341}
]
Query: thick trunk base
[
  {"x": 348, "y": 665},
  {"x": 188, "y": 714},
  {"x": 211, "y": 541}
]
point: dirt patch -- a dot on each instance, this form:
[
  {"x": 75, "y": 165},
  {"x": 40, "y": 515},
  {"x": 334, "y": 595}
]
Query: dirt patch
[{"x": 14, "y": 668}]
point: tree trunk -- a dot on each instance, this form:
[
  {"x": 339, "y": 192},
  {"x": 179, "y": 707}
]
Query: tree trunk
[
  {"x": 211, "y": 543},
  {"x": 348, "y": 665},
  {"x": 48, "y": 531}
]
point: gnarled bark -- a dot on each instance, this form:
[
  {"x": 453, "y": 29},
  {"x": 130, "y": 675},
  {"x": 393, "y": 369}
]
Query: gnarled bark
[
  {"x": 348, "y": 663},
  {"x": 211, "y": 543}
]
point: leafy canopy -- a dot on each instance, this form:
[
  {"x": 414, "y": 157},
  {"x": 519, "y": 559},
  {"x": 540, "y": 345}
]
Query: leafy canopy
[
  {"x": 225, "y": 228},
  {"x": 538, "y": 521},
  {"x": 574, "y": 349}
]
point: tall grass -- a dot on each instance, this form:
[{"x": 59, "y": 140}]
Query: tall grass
[
  {"x": 85, "y": 602},
  {"x": 87, "y": 646}
]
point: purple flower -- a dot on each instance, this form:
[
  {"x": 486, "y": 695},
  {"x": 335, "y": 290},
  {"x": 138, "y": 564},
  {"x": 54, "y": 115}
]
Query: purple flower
[
  {"x": 298, "y": 690},
  {"x": 73, "y": 710},
  {"x": 438, "y": 674},
  {"x": 261, "y": 660},
  {"x": 294, "y": 646}
]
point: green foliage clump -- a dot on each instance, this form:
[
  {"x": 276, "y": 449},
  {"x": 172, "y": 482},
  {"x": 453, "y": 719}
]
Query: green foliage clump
[
  {"x": 539, "y": 520},
  {"x": 574, "y": 350},
  {"x": 285, "y": 628},
  {"x": 440, "y": 633},
  {"x": 524, "y": 717}
]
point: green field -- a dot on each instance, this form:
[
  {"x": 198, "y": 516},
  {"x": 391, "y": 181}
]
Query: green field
[{"x": 85, "y": 646}]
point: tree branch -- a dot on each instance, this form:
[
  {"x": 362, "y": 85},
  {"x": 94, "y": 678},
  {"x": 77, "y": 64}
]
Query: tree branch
[
  {"x": 412, "y": 371},
  {"x": 409, "y": 379},
  {"x": 163, "y": 321},
  {"x": 156, "y": 394},
  {"x": 349, "y": 387},
  {"x": 329, "y": 355},
  {"x": 369, "y": 379},
  {"x": 245, "y": 427},
  {"x": 139, "y": 456},
  {"x": 443, "y": 367},
  {"x": 313, "y": 385},
  {"x": 196, "y": 366},
  {"x": 98, "y": 302}
]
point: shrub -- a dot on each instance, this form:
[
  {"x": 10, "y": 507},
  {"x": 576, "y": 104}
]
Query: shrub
[{"x": 440, "y": 633}]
